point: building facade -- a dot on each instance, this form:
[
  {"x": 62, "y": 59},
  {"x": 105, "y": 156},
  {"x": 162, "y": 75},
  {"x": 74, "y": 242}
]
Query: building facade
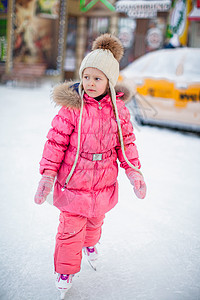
[
  {"x": 32, "y": 38},
  {"x": 51, "y": 37}
]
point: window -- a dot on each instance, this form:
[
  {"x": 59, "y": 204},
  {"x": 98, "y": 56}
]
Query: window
[
  {"x": 70, "y": 58},
  {"x": 126, "y": 34},
  {"x": 96, "y": 26}
]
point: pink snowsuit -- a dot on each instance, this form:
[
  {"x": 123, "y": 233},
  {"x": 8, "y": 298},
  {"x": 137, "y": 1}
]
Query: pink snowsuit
[{"x": 93, "y": 189}]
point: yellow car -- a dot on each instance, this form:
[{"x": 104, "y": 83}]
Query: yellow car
[{"x": 166, "y": 85}]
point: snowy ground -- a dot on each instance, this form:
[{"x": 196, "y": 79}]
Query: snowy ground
[{"x": 150, "y": 249}]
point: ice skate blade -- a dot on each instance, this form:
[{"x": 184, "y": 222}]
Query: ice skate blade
[
  {"x": 92, "y": 264},
  {"x": 62, "y": 295}
]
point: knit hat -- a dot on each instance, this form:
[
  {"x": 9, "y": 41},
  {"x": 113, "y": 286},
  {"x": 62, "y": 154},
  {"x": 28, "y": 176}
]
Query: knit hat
[{"x": 107, "y": 51}]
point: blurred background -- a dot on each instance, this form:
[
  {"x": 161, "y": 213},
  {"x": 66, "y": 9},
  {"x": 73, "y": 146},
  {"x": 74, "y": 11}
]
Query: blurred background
[
  {"x": 47, "y": 39},
  {"x": 56, "y": 35}
]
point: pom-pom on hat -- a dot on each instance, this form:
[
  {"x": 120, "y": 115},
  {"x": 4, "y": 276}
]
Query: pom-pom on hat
[{"x": 106, "y": 53}]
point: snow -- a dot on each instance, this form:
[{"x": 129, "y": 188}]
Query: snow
[
  {"x": 149, "y": 248},
  {"x": 178, "y": 65}
]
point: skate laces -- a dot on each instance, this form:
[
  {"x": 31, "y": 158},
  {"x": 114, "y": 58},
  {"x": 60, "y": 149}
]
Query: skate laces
[
  {"x": 63, "y": 283},
  {"x": 64, "y": 277},
  {"x": 90, "y": 252},
  {"x": 91, "y": 249}
]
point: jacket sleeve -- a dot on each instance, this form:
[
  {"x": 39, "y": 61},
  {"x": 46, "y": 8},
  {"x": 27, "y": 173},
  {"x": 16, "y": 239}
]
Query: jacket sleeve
[
  {"x": 57, "y": 140},
  {"x": 128, "y": 138}
]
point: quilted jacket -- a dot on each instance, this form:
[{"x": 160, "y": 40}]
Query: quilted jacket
[{"x": 93, "y": 188}]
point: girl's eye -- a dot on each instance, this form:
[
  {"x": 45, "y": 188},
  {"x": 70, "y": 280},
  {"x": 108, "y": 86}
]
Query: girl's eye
[
  {"x": 86, "y": 77},
  {"x": 98, "y": 78}
]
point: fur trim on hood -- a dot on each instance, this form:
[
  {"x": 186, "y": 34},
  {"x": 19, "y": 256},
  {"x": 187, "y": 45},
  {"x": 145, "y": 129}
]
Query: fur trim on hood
[
  {"x": 127, "y": 93},
  {"x": 66, "y": 94}
]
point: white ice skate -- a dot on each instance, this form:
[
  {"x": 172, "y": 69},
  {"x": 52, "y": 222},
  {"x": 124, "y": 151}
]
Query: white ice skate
[
  {"x": 91, "y": 254},
  {"x": 63, "y": 283}
]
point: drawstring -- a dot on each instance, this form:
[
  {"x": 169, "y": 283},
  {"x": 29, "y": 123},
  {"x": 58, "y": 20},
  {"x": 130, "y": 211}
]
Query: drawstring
[
  {"x": 113, "y": 97},
  {"x": 79, "y": 141}
]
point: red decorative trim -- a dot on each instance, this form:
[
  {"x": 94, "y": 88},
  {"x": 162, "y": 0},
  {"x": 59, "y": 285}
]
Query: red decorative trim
[{"x": 194, "y": 18}]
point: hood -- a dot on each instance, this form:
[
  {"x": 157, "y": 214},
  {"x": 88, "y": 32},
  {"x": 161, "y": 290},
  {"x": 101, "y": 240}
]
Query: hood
[{"x": 66, "y": 94}]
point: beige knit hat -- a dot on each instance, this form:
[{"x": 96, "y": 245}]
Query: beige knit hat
[
  {"x": 107, "y": 51},
  {"x": 106, "y": 54}
]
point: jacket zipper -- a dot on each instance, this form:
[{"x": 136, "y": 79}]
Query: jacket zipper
[{"x": 100, "y": 107}]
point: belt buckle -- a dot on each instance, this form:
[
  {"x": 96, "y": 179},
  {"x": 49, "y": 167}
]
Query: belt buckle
[{"x": 97, "y": 156}]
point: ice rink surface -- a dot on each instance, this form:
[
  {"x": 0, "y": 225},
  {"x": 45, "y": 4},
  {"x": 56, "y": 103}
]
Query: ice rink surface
[{"x": 149, "y": 250}]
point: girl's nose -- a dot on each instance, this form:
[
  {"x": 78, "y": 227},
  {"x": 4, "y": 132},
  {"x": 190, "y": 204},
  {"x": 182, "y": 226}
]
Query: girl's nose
[{"x": 91, "y": 82}]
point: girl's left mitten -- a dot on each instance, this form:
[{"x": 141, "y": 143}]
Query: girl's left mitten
[
  {"x": 137, "y": 180},
  {"x": 44, "y": 188}
]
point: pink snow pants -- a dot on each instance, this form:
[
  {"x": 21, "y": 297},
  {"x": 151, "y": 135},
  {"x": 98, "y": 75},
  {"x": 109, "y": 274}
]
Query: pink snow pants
[{"x": 74, "y": 233}]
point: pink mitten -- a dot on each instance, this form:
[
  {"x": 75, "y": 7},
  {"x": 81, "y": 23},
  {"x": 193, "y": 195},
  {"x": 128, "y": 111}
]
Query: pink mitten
[
  {"x": 44, "y": 188},
  {"x": 137, "y": 180}
]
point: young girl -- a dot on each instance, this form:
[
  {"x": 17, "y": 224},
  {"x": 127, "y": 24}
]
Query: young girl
[{"x": 90, "y": 132}]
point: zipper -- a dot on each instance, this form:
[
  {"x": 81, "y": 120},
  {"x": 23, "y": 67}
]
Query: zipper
[{"x": 100, "y": 107}]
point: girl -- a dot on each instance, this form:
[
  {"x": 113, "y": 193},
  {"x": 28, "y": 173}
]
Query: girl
[{"x": 90, "y": 132}]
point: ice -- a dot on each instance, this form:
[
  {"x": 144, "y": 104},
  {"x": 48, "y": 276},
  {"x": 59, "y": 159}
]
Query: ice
[{"x": 149, "y": 248}]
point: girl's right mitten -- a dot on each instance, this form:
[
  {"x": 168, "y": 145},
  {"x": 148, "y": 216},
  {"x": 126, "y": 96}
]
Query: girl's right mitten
[{"x": 44, "y": 188}]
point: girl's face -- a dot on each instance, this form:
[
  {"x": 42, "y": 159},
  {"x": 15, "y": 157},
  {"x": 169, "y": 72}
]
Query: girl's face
[{"x": 95, "y": 82}]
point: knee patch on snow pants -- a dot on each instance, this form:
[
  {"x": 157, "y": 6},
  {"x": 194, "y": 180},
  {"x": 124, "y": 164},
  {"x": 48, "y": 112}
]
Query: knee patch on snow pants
[{"x": 74, "y": 232}]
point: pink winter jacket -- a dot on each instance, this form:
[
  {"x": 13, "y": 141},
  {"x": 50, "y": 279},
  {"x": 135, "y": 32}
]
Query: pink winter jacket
[{"x": 93, "y": 188}]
